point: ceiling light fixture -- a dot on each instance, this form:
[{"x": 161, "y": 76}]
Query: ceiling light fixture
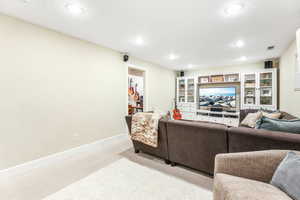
[
  {"x": 239, "y": 44},
  {"x": 173, "y": 57},
  {"x": 75, "y": 8},
  {"x": 190, "y": 66},
  {"x": 25, "y": 1},
  {"x": 243, "y": 58},
  {"x": 234, "y": 9},
  {"x": 139, "y": 41}
]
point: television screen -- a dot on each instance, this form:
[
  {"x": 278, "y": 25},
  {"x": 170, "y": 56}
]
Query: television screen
[{"x": 224, "y": 97}]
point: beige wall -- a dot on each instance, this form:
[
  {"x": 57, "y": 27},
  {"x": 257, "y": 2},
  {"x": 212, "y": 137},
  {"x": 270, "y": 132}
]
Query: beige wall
[
  {"x": 227, "y": 69},
  {"x": 59, "y": 92},
  {"x": 289, "y": 98}
]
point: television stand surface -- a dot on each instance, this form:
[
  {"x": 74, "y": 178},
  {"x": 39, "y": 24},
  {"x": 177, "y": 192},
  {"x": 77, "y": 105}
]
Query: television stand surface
[{"x": 226, "y": 118}]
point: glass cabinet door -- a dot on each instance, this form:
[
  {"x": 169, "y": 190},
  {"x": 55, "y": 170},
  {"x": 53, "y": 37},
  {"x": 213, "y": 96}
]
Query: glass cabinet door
[
  {"x": 181, "y": 90},
  {"x": 250, "y": 89},
  {"x": 191, "y": 90},
  {"x": 265, "y": 87}
]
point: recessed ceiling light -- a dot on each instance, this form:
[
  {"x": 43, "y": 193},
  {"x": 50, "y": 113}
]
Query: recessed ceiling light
[
  {"x": 233, "y": 9},
  {"x": 190, "y": 66},
  {"x": 75, "y": 8},
  {"x": 25, "y": 1},
  {"x": 173, "y": 56},
  {"x": 239, "y": 44},
  {"x": 243, "y": 58},
  {"x": 139, "y": 41}
]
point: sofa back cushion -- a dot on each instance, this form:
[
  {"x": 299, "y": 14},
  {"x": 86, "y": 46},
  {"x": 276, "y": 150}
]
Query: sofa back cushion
[
  {"x": 195, "y": 144},
  {"x": 287, "y": 116},
  {"x": 284, "y": 115},
  {"x": 289, "y": 126},
  {"x": 273, "y": 115}
]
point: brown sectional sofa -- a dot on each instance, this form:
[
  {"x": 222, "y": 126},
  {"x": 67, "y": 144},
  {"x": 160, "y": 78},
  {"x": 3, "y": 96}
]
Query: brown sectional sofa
[{"x": 195, "y": 144}]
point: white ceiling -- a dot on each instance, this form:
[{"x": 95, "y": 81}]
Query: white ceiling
[{"x": 194, "y": 30}]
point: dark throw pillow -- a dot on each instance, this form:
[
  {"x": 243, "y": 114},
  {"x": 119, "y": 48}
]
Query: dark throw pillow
[
  {"x": 290, "y": 126},
  {"x": 287, "y": 176}
]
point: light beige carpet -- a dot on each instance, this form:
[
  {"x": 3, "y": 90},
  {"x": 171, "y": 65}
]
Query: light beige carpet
[{"x": 126, "y": 179}]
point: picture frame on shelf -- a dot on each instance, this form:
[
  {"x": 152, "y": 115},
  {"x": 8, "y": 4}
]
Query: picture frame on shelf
[
  {"x": 250, "y": 93},
  {"x": 250, "y": 85},
  {"x": 217, "y": 79},
  {"x": 204, "y": 79},
  {"x": 232, "y": 78},
  {"x": 249, "y": 100},
  {"x": 266, "y": 92}
]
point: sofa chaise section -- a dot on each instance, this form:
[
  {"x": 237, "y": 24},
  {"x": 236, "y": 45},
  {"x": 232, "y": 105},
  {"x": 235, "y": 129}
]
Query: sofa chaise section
[{"x": 162, "y": 150}]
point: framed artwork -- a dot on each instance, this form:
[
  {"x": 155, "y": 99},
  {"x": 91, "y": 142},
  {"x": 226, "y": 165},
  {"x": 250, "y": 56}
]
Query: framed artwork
[
  {"x": 250, "y": 101},
  {"x": 267, "y": 92}
]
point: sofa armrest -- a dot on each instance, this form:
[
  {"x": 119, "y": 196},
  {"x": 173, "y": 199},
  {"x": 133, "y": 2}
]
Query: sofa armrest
[{"x": 258, "y": 165}]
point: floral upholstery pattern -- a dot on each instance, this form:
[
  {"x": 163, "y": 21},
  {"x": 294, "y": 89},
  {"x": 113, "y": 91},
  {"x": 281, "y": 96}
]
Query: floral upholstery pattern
[{"x": 145, "y": 128}]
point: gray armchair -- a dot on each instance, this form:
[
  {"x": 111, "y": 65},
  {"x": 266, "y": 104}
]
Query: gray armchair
[{"x": 246, "y": 176}]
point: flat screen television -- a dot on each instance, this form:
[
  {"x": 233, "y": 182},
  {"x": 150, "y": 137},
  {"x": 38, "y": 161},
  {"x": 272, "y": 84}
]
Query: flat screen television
[{"x": 218, "y": 97}]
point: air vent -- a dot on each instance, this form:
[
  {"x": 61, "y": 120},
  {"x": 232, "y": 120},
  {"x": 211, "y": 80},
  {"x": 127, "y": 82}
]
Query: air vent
[{"x": 271, "y": 47}]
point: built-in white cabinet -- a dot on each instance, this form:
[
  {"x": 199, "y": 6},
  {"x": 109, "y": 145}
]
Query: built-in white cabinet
[
  {"x": 186, "y": 97},
  {"x": 259, "y": 90},
  {"x": 254, "y": 90},
  {"x": 186, "y": 92}
]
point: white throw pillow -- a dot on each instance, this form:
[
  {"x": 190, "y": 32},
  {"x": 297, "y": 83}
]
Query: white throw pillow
[{"x": 251, "y": 119}]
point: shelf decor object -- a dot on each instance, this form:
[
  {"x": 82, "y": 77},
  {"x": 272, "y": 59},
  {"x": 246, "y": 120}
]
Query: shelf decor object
[
  {"x": 217, "y": 78},
  {"x": 231, "y": 78},
  {"x": 204, "y": 79}
]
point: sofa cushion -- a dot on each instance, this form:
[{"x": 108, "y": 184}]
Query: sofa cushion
[
  {"x": 284, "y": 115},
  {"x": 274, "y": 115},
  {"x": 251, "y": 119},
  {"x": 245, "y": 112},
  {"x": 227, "y": 187},
  {"x": 287, "y": 175},
  {"x": 287, "y": 116},
  {"x": 195, "y": 144},
  {"x": 289, "y": 126}
]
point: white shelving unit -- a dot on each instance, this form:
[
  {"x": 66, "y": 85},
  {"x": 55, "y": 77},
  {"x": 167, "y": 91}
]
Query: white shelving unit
[
  {"x": 186, "y": 97},
  {"x": 259, "y": 90}
]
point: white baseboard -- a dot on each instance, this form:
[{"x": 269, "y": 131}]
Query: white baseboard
[{"x": 104, "y": 143}]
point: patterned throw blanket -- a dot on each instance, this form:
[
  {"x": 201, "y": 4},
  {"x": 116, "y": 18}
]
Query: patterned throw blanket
[{"x": 144, "y": 128}]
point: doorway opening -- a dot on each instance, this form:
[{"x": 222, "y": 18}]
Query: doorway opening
[{"x": 136, "y": 90}]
